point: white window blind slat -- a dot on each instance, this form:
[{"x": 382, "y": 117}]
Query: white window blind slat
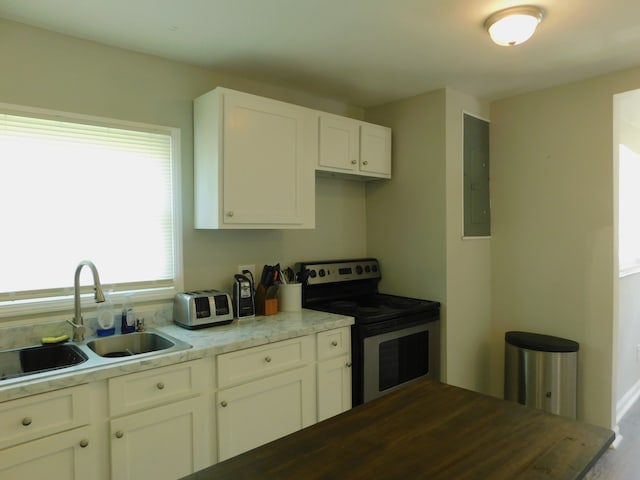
[{"x": 71, "y": 190}]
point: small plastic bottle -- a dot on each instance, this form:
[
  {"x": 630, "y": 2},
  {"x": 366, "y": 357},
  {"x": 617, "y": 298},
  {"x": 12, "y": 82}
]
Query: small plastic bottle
[
  {"x": 128, "y": 324},
  {"x": 104, "y": 312}
]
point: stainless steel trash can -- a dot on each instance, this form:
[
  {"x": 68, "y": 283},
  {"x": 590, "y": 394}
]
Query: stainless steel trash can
[{"x": 540, "y": 371}]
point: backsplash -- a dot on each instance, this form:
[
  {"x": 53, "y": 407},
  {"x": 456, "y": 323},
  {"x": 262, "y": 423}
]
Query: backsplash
[{"x": 18, "y": 336}]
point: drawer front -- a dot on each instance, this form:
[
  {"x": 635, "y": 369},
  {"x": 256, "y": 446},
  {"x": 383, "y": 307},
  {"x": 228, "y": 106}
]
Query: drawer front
[
  {"x": 37, "y": 416},
  {"x": 252, "y": 363},
  {"x": 334, "y": 342},
  {"x": 141, "y": 390}
]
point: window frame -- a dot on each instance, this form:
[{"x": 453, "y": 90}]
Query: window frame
[{"x": 62, "y": 300}]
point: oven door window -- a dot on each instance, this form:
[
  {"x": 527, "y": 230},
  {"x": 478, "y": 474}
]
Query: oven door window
[
  {"x": 403, "y": 359},
  {"x": 394, "y": 358}
]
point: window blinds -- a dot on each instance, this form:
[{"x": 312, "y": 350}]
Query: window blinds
[{"x": 71, "y": 191}]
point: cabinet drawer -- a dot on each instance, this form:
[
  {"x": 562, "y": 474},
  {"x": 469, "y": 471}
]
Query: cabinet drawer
[
  {"x": 33, "y": 417},
  {"x": 251, "y": 363},
  {"x": 334, "y": 342},
  {"x": 138, "y": 391}
]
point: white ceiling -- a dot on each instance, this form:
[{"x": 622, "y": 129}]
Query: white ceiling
[{"x": 363, "y": 52}]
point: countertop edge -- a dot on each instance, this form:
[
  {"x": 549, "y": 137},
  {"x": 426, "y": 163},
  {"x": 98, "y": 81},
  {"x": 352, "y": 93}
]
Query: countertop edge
[{"x": 208, "y": 342}]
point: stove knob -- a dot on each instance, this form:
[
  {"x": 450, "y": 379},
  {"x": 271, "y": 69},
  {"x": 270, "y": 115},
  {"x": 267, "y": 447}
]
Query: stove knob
[
  {"x": 312, "y": 273},
  {"x": 359, "y": 270},
  {"x": 374, "y": 268},
  {"x": 367, "y": 268},
  {"x": 322, "y": 272}
]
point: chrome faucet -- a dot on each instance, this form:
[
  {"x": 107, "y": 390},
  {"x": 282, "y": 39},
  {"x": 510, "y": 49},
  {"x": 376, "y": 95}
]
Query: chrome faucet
[{"x": 77, "y": 323}]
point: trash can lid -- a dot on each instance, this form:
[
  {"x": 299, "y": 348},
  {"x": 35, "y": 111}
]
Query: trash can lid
[{"x": 543, "y": 343}]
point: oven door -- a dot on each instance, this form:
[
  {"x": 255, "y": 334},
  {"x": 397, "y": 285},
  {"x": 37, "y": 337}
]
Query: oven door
[{"x": 395, "y": 358}]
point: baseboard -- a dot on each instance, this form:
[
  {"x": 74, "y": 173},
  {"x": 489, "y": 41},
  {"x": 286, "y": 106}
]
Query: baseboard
[
  {"x": 626, "y": 402},
  {"x": 618, "y": 440}
]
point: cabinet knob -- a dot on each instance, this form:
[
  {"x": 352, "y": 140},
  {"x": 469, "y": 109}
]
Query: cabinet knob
[
  {"x": 84, "y": 443},
  {"x": 334, "y": 344},
  {"x": 365, "y": 163},
  {"x": 353, "y": 162},
  {"x": 26, "y": 421},
  {"x": 229, "y": 214},
  {"x": 548, "y": 394},
  {"x": 348, "y": 364},
  {"x": 223, "y": 404},
  {"x": 119, "y": 434},
  {"x": 160, "y": 385},
  {"x": 267, "y": 359}
]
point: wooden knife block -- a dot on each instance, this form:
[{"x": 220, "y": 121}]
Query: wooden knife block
[{"x": 265, "y": 306}]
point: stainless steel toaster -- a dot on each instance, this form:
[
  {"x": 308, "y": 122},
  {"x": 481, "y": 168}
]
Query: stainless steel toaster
[{"x": 204, "y": 308}]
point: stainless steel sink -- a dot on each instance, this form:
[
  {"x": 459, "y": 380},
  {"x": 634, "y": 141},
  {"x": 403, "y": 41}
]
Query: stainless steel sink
[
  {"x": 42, "y": 360},
  {"x": 38, "y": 359},
  {"x": 132, "y": 344}
]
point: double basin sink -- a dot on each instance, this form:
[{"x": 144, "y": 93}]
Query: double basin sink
[{"x": 42, "y": 359}]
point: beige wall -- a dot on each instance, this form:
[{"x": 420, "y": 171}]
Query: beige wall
[
  {"x": 553, "y": 261},
  {"x": 414, "y": 226},
  {"x": 468, "y": 264},
  {"x": 47, "y": 70}
]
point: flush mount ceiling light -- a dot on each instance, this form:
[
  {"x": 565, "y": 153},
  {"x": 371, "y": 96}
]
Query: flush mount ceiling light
[{"x": 514, "y": 25}]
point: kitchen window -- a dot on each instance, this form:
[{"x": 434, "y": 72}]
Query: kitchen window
[{"x": 75, "y": 187}]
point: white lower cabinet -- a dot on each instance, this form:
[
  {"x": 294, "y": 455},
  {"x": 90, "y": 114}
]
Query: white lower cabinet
[
  {"x": 263, "y": 410},
  {"x": 168, "y": 422},
  {"x": 334, "y": 372},
  {"x": 68, "y": 455},
  {"x": 166, "y": 442},
  {"x": 159, "y": 425},
  {"x": 334, "y": 386},
  {"x": 47, "y": 436}
]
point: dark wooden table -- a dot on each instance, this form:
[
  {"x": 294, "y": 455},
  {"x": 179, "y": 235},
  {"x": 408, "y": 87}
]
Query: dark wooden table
[{"x": 427, "y": 430}]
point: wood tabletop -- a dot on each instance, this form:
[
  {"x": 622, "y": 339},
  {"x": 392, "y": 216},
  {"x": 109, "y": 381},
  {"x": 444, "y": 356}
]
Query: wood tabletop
[{"x": 427, "y": 430}]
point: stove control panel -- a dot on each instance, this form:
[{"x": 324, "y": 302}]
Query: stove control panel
[{"x": 339, "y": 271}]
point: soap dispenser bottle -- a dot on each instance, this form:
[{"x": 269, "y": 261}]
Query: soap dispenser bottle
[{"x": 128, "y": 324}]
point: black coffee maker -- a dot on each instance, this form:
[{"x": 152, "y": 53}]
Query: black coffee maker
[{"x": 243, "y": 297}]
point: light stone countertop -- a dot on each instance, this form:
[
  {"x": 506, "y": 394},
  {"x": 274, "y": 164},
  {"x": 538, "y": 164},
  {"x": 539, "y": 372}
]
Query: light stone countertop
[{"x": 205, "y": 342}]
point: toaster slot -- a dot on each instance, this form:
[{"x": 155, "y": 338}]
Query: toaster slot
[{"x": 203, "y": 309}]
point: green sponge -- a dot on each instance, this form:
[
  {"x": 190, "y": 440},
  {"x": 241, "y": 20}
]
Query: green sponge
[{"x": 60, "y": 339}]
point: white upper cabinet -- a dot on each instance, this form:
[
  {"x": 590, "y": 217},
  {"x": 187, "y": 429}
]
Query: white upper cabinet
[
  {"x": 353, "y": 148},
  {"x": 254, "y": 161}
]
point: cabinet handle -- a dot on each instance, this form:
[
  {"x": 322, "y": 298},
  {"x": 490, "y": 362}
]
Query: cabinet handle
[
  {"x": 229, "y": 214},
  {"x": 353, "y": 162},
  {"x": 334, "y": 344},
  {"x": 119, "y": 434},
  {"x": 348, "y": 364},
  {"x": 267, "y": 359},
  {"x": 26, "y": 421},
  {"x": 223, "y": 404},
  {"x": 365, "y": 163},
  {"x": 160, "y": 385},
  {"x": 84, "y": 443}
]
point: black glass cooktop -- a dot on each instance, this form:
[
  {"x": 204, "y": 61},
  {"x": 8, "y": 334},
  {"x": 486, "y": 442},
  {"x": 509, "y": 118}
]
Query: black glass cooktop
[{"x": 377, "y": 307}]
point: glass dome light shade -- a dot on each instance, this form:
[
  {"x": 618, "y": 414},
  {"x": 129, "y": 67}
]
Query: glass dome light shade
[{"x": 513, "y": 26}]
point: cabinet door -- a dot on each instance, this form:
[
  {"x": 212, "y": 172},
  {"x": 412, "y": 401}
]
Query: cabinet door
[
  {"x": 375, "y": 150},
  {"x": 265, "y": 169},
  {"x": 339, "y": 149},
  {"x": 334, "y": 386},
  {"x": 258, "y": 412},
  {"x": 65, "y": 456},
  {"x": 166, "y": 442}
]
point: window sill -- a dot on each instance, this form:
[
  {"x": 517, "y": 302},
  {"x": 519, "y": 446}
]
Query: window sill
[{"x": 56, "y": 305}]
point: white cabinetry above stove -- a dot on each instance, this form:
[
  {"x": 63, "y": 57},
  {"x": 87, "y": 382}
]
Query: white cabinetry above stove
[
  {"x": 354, "y": 148},
  {"x": 254, "y": 161}
]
